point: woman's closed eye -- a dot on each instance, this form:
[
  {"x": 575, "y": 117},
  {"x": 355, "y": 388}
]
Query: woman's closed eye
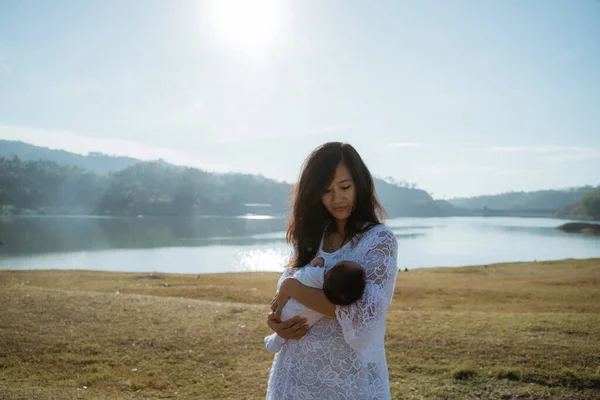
[{"x": 344, "y": 188}]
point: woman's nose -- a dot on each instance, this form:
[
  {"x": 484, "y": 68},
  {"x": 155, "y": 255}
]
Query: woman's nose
[{"x": 337, "y": 195}]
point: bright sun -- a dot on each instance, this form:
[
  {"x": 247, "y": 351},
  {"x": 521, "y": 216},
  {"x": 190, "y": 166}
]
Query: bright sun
[{"x": 248, "y": 24}]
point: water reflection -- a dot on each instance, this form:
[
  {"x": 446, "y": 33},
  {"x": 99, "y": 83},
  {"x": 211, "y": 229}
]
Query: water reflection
[
  {"x": 222, "y": 244},
  {"x": 272, "y": 259},
  {"x": 35, "y": 235}
]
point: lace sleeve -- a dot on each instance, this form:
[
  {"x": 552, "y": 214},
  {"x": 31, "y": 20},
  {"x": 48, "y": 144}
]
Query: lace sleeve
[{"x": 363, "y": 322}]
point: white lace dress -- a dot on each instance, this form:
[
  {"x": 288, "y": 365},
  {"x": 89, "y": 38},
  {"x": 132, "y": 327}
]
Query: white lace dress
[{"x": 344, "y": 358}]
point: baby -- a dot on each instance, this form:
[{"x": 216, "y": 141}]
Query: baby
[{"x": 343, "y": 284}]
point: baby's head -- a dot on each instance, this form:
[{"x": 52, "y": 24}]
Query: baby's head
[{"x": 344, "y": 283}]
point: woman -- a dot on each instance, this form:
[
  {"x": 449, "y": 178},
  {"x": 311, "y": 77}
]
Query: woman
[{"x": 335, "y": 215}]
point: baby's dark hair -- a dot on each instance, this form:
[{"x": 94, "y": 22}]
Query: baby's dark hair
[{"x": 344, "y": 283}]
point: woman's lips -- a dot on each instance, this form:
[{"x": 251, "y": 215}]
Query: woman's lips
[{"x": 339, "y": 209}]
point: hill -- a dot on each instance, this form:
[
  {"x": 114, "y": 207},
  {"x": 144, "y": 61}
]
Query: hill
[
  {"x": 67, "y": 183},
  {"x": 548, "y": 200},
  {"x": 406, "y": 201},
  {"x": 588, "y": 208},
  {"x": 95, "y": 162}
]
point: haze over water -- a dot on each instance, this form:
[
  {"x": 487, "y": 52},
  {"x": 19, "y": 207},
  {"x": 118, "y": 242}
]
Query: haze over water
[{"x": 210, "y": 244}]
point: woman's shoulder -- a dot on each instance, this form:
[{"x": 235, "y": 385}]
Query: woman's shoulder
[{"x": 377, "y": 232}]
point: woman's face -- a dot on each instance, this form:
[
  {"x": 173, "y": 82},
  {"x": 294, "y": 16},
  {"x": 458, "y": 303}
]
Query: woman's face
[{"x": 339, "y": 197}]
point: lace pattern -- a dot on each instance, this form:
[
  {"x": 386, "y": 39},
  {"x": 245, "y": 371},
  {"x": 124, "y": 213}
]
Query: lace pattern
[{"x": 344, "y": 358}]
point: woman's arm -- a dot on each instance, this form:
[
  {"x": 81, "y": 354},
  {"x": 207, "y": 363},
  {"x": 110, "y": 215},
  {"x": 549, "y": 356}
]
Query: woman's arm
[
  {"x": 312, "y": 298},
  {"x": 363, "y": 322},
  {"x": 293, "y": 328}
]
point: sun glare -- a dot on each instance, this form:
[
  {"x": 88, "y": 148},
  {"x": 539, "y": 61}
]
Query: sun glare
[{"x": 250, "y": 25}]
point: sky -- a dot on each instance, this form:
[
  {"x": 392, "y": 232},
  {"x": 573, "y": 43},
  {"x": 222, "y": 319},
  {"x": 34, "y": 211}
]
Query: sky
[{"x": 462, "y": 98}]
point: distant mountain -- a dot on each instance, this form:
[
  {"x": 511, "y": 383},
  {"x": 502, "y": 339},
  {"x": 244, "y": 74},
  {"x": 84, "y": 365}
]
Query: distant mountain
[
  {"x": 538, "y": 200},
  {"x": 41, "y": 180},
  {"x": 405, "y": 201},
  {"x": 96, "y": 162}
]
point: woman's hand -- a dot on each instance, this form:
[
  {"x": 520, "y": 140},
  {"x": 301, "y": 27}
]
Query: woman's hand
[
  {"x": 318, "y": 262},
  {"x": 283, "y": 295},
  {"x": 293, "y": 328},
  {"x": 278, "y": 302}
]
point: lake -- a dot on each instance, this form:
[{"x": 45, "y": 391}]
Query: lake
[{"x": 228, "y": 244}]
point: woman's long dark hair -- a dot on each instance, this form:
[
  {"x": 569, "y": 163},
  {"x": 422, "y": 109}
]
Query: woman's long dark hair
[{"x": 309, "y": 217}]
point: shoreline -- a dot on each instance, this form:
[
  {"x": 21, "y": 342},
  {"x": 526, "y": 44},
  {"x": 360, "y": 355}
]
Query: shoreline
[
  {"x": 268, "y": 216},
  {"x": 400, "y": 269}
]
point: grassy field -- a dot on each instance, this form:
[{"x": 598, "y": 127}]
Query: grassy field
[{"x": 510, "y": 331}]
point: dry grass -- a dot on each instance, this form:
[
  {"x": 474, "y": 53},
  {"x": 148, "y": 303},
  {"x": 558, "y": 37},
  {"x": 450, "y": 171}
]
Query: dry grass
[{"x": 511, "y": 331}]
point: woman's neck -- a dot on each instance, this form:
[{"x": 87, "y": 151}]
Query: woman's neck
[{"x": 340, "y": 226}]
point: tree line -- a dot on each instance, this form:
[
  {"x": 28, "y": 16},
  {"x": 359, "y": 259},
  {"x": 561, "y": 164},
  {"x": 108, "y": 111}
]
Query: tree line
[
  {"x": 147, "y": 188},
  {"x": 159, "y": 188}
]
